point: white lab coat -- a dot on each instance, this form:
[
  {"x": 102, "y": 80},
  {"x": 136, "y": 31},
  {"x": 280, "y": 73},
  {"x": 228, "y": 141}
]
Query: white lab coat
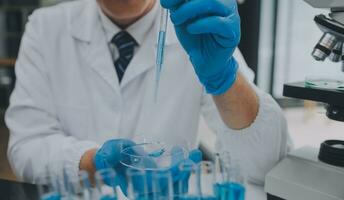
[{"x": 67, "y": 98}]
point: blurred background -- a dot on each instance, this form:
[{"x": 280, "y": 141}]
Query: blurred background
[{"x": 278, "y": 37}]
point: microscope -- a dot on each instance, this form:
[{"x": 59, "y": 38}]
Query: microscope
[{"x": 316, "y": 173}]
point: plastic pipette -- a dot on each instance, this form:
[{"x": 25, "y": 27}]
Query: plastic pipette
[{"x": 160, "y": 49}]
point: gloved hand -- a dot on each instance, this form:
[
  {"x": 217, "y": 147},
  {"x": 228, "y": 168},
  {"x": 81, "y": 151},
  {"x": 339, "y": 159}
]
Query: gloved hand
[
  {"x": 209, "y": 31},
  {"x": 109, "y": 155}
]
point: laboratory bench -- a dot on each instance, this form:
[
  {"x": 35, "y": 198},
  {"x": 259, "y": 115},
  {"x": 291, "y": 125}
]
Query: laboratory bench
[
  {"x": 5, "y": 169},
  {"x": 10, "y": 190},
  {"x": 5, "y": 62}
]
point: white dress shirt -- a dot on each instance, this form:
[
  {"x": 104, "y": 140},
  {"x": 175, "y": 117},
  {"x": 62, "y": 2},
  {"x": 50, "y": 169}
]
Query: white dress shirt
[
  {"x": 68, "y": 99},
  {"x": 137, "y": 30}
]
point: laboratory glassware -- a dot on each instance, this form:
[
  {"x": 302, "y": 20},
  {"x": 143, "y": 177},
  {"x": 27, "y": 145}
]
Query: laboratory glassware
[
  {"x": 153, "y": 156},
  {"x": 137, "y": 184},
  {"x": 207, "y": 180},
  {"x": 76, "y": 187},
  {"x": 160, "y": 49},
  {"x": 106, "y": 184},
  {"x": 230, "y": 183},
  {"x": 162, "y": 185},
  {"x": 188, "y": 186},
  {"x": 197, "y": 181},
  {"x": 48, "y": 187}
]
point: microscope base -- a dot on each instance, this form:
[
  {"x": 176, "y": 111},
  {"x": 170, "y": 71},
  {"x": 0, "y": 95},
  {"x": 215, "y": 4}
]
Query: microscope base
[{"x": 302, "y": 176}]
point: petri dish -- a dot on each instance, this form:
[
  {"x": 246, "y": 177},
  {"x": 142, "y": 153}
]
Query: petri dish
[
  {"x": 153, "y": 156},
  {"x": 325, "y": 83}
]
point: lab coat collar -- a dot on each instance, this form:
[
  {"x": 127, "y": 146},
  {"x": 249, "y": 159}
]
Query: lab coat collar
[
  {"x": 83, "y": 22},
  {"x": 86, "y": 27}
]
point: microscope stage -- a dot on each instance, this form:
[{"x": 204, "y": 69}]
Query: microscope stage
[{"x": 300, "y": 91}]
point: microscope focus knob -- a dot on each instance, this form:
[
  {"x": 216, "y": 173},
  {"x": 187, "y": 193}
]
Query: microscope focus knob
[{"x": 332, "y": 152}]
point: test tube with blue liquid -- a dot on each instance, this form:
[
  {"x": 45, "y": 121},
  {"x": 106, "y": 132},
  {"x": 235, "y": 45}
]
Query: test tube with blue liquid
[
  {"x": 160, "y": 49},
  {"x": 230, "y": 180},
  {"x": 197, "y": 181},
  {"x": 162, "y": 185},
  {"x": 137, "y": 184}
]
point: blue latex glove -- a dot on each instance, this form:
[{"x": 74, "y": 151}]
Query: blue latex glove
[
  {"x": 109, "y": 155},
  {"x": 209, "y": 31}
]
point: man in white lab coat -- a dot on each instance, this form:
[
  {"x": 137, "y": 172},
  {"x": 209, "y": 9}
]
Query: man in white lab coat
[{"x": 85, "y": 78}]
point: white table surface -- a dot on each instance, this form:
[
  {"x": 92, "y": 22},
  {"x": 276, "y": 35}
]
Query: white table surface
[{"x": 253, "y": 192}]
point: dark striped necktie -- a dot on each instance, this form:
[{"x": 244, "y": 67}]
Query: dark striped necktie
[{"x": 125, "y": 44}]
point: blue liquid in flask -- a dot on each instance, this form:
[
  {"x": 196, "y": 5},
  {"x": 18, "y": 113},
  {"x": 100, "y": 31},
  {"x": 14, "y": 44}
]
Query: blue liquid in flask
[
  {"x": 51, "y": 196},
  {"x": 195, "y": 197},
  {"x": 107, "y": 197},
  {"x": 229, "y": 191}
]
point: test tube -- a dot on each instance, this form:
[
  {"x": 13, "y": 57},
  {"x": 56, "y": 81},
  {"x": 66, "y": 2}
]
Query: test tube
[
  {"x": 77, "y": 186},
  {"x": 48, "y": 187},
  {"x": 188, "y": 186},
  {"x": 230, "y": 183},
  {"x": 207, "y": 180},
  {"x": 106, "y": 184},
  {"x": 162, "y": 185},
  {"x": 137, "y": 184}
]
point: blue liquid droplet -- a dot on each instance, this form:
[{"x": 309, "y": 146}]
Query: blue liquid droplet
[{"x": 157, "y": 153}]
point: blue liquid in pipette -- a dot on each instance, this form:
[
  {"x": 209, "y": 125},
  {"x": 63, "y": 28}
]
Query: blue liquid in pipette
[
  {"x": 229, "y": 191},
  {"x": 159, "y": 59},
  {"x": 161, "y": 48}
]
